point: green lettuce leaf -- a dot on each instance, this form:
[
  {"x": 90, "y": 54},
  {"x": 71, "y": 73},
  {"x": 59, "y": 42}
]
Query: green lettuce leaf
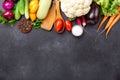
[{"x": 108, "y": 7}]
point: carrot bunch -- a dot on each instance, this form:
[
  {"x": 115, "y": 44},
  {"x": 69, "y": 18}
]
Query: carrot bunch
[{"x": 111, "y": 22}]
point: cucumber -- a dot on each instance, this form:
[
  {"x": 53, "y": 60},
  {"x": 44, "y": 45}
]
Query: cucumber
[
  {"x": 21, "y": 7},
  {"x": 17, "y": 13}
]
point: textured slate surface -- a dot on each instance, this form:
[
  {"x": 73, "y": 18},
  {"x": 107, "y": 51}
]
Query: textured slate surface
[{"x": 42, "y": 55}]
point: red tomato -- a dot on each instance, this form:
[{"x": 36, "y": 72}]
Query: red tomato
[
  {"x": 59, "y": 25},
  {"x": 68, "y": 25}
]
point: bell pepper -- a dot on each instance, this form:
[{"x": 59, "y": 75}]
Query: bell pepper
[{"x": 33, "y": 6}]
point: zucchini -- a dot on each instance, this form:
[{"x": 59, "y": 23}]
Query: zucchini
[{"x": 43, "y": 9}]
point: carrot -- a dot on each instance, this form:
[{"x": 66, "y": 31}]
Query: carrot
[
  {"x": 112, "y": 24},
  {"x": 109, "y": 22},
  {"x": 119, "y": 9},
  {"x": 101, "y": 23}
]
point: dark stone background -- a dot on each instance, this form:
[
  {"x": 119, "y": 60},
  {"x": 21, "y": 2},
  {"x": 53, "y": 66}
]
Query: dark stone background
[{"x": 42, "y": 55}]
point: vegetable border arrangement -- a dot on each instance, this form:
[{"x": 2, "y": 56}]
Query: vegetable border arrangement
[{"x": 46, "y": 14}]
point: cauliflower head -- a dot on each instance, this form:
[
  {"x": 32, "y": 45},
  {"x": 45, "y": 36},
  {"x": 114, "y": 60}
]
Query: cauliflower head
[{"x": 75, "y": 8}]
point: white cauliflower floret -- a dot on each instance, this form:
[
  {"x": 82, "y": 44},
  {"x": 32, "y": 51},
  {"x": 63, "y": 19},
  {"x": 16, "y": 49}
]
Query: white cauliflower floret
[{"x": 75, "y": 8}]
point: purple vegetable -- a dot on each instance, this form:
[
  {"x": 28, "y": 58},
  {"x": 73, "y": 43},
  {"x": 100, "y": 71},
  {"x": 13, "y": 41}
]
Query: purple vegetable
[
  {"x": 8, "y": 14},
  {"x": 94, "y": 14},
  {"x": 8, "y": 4}
]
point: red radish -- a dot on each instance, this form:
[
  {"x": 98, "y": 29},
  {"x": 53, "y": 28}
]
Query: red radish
[
  {"x": 83, "y": 21},
  {"x": 78, "y": 21}
]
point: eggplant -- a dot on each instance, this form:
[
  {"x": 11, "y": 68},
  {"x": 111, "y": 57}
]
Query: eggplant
[{"x": 93, "y": 15}]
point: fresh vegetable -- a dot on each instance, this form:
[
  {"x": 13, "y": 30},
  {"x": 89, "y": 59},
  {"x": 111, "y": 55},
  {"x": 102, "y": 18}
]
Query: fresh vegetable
[
  {"x": 58, "y": 25},
  {"x": 83, "y": 21},
  {"x": 101, "y": 23},
  {"x": 109, "y": 22},
  {"x": 77, "y": 30},
  {"x": 33, "y": 7},
  {"x": 78, "y": 21},
  {"x": 12, "y": 22},
  {"x": 48, "y": 22},
  {"x": 75, "y": 8},
  {"x": 25, "y": 25},
  {"x": 8, "y": 14},
  {"x": 108, "y": 7},
  {"x": 68, "y": 25},
  {"x": 119, "y": 9},
  {"x": 43, "y": 9},
  {"x": 94, "y": 14},
  {"x": 3, "y": 20},
  {"x": 21, "y": 6},
  {"x": 112, "y": 24},
  {"x": 7, "y": 5},
  {"x": 46, "y": 13},
  {"x": 26, "y": 9},
  {"x": 72, "y": 19},
  {"x": 32, "y": 16},
  {"x": 37, "y": 24},
  {"x": 16, "y": 12},
  {"x": 59, "y": 22}
]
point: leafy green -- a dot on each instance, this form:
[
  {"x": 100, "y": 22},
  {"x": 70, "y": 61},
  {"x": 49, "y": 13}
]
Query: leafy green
[
  {"x": 108, "y": 7},
  {"x": 72, "y": 19},
  {"x": 1, "y": 12},
  {"x": 37, "y": 24},
  {"x": 3, "y": 20},
  {"x": 12, "y": 22}
]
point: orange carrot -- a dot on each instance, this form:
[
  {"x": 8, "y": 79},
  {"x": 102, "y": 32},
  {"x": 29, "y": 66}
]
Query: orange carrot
[
  {"x": 112, "y": 24},
  {"x": 109, "y": 22},
  {"x": 101, "y": 23},
  {"x": 119, "y": 9}
]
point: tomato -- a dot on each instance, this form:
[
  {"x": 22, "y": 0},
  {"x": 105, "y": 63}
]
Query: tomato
[
  {"x": 59, "y": 25},
  {"x": 68, "y": 25}
]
